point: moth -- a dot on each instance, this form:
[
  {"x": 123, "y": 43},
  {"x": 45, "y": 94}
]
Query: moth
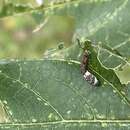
[{"x": 89, "y": 77}]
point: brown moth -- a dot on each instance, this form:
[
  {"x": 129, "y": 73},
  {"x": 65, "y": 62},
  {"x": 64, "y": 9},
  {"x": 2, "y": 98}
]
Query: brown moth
[{"x": 89, "y": 77}]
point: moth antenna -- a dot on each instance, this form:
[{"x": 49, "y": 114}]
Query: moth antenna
[{"x": 79, "y": 44}]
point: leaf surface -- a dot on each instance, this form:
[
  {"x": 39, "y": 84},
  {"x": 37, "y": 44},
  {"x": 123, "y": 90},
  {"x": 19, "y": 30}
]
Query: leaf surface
[
  {"x": 51, "y": 94},
  {"x": 105, "y": 22}
]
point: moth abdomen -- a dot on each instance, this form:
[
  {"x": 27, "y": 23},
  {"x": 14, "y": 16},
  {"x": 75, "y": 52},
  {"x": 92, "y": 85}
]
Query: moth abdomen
[{"x": 90, "y": 78}]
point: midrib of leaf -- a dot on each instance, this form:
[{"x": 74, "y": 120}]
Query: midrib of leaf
[
  {"x": 41, "y": 8},
  {"x": 51, "y": 6},
  {"x": 62, "y": 122}
]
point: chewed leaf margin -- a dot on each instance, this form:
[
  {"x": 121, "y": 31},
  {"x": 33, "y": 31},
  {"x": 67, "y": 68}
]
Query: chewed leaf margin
[{"x": 105, "y": 75}]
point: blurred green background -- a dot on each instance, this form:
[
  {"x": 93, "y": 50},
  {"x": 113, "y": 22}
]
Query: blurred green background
[{"x": 17, "y": 39}]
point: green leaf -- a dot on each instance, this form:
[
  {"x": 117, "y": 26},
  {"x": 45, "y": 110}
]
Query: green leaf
[
  {"x": 52, "y": 94},
  {"x": 106, "y": 22},
  {"x": 36, "y": 95},
  {"x": 104, "y": 74},
  {"x": 9, "y": 9}
]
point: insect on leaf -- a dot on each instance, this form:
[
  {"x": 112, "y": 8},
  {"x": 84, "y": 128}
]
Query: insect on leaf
[
  {"x": 105, "y": 75},
  {"x": 51, "y": 94}
]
